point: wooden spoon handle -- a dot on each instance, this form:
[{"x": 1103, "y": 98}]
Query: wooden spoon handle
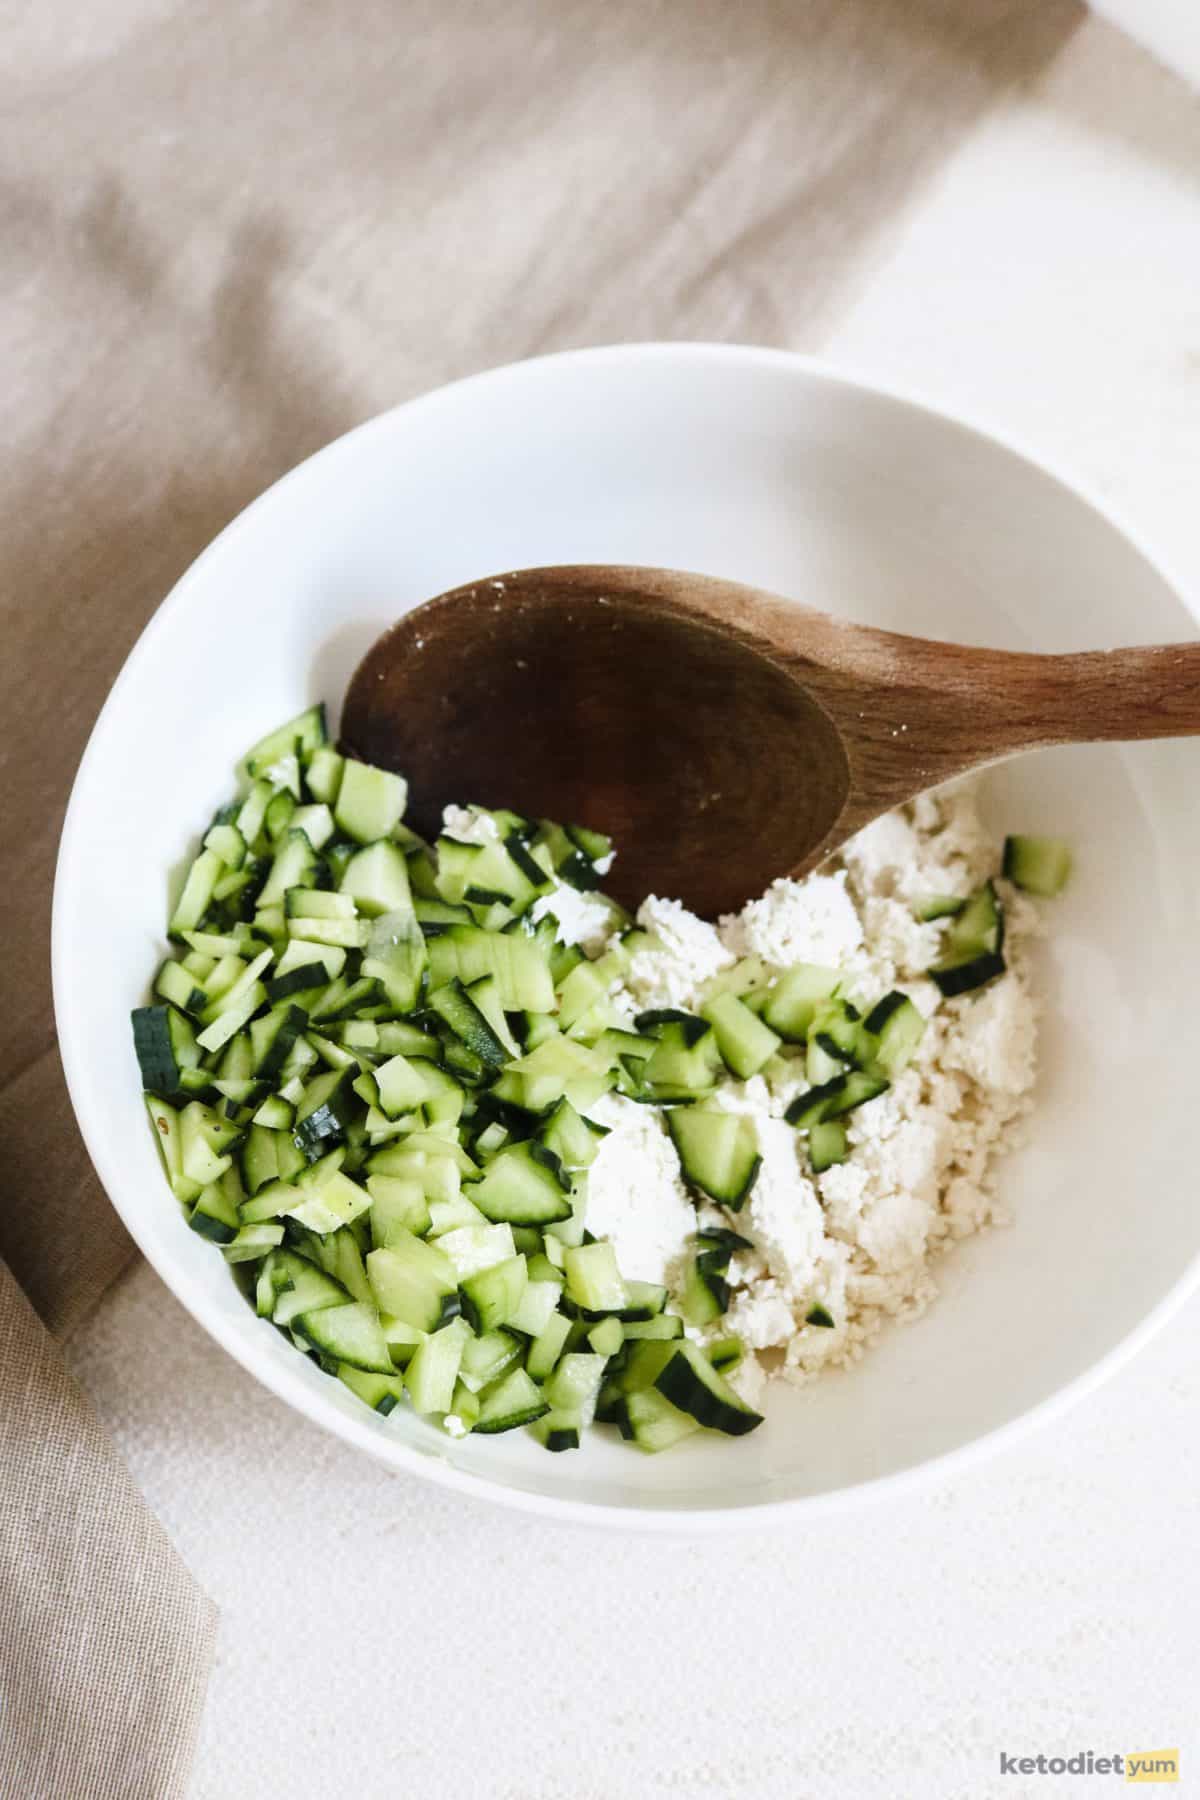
[
  {"x": 1015, "y": 700},
  {"x": 954, "y": 707},
  {"x": 957, "y": 708},
  {"x": 1147, "y": 691}
]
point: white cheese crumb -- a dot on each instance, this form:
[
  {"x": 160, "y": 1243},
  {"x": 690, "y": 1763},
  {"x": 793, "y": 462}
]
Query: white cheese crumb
[
  {"x": 996, "y": 1039},
  {"x": 454, "y": 1426},
  {"x": 636, "y": 1196},
  {"x": 583, "y": 919},
  {"x": 797, "y": 921},
  {"x": 470, "y": 825},
  {"x": 688, "y": 952}
]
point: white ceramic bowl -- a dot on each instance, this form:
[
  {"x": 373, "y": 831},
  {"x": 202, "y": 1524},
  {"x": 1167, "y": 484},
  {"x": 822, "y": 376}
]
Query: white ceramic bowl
[{"x": 777, "y": 471}]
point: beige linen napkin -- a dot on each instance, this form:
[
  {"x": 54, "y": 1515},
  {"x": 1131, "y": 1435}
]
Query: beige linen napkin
[{"x": 226, "y": 234}]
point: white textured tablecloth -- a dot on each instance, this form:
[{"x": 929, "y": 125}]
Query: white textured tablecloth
[{"x": 382, "y": 1638}]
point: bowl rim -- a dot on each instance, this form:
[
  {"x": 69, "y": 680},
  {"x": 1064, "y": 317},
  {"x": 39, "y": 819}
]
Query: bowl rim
[{"x": 395, "y": 1454}]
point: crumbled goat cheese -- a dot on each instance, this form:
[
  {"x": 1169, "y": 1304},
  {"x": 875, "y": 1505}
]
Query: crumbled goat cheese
[
  {"x": 797, "y": 921},
  {"x": 688, "y": 952},
  {"x": 636, "y": 1196},
  {"x": 583, "y": 919},
  {"x": 858, "y": 1240},
  {"x": 470, "y": 825}
]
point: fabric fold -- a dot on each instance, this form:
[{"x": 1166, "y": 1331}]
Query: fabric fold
[{"x": 107, "y": 1640}]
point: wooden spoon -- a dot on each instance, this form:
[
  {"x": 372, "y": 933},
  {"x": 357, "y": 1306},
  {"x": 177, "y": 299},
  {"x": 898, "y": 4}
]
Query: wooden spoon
[{"x": 721, "y": 735}]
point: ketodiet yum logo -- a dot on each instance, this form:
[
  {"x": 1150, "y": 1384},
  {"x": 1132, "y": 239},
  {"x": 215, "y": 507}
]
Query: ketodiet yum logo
[{"x": 1127, "y": 1765}]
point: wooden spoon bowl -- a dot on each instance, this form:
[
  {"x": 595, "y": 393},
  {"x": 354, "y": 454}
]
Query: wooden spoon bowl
[{"x": 722, "y": 735}]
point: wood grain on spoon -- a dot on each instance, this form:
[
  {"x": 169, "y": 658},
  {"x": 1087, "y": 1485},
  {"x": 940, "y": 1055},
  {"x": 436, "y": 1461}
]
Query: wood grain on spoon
[{"x": 722, "y": 735}]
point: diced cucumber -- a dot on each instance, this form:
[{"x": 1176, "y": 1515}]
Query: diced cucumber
[
  {"x": 973, "y": 946},
  {"x": 705, "y": 1291},
  {"x": 522, "y": 975},
  {"x": 303, "y": 734},
  {"x": 197, "y": 892},
  {"x": 331, "y": 1205},
  {"x": 938, "y": 906},
  {"x": 432, "y": 1374},
  {"x": 485, "y": 995},
  {"x": 317, "y": 903},
  {"x": 689, "y": 1381},
  {"x": 834, "y": 1098},
  {"x": 491, "y": 1297},
  {"x": 324, "y": 774},
  {"x": 454, "y": 1005},
  {"x": 348, "y": 1334},
  {"x": 399, "y": 1039},
  {"x": 215, "y": 1215},
  {"x": 536, "y": 1306},
  {"x": 515, "y": 1400},
  {"x": 236, "y": 1014},
  {"x": 370, "y": 802},
  {"x": 204, "y": 1142},
  {"x": 718, "y": 1152},
  {"x": 396, "y": 956},
  {"x": 298, "y": 1286},
  {"x": 396, "y": 1205},
  {"x": 410, "y": 1279},
  {"x": 401, "y": 1086},
  {"x": 575, "y": 1384},
  {"x": 827, "y": 1144},
  {"x": 548, "y": 1346},
  {"x": 607, "y": 1336},
  {"x": 685, "y": 1058},
  {"x": 1040, "y": 865},
  {"x": 382, "y": 1393},
  {"x": 296, "y": 865},
  {"x": 259, "y": 1159},
  {"x": 573, "y": 1139},
  {"x": 659, "y": 1329},
  {"x": 436, "y": 916},
  {"x": 745, "y": 1042},
  {"x": 791, "y": 1004},
  {"x": 377, "y": 879},
  {"x": 557, "y": 1069},
  {"x": 251, "y": 816},
  {"x": 273, "y": 1036},
  {"x": 402, "y": 1339},
  {"x": 473, "y": 1248},
  {"x": 316, "y": 822},
  {"x": 897, "y": 1026},
  {"x": 523, "y": 1184},
  {"x": 486, "y": 1358},
  {"x": 726, "y": 1353},
  {"x": 176, "y": 982},
  {"x": 275, "y": 1114},
  {"x": 822, "y": 1060},
  {"x": 165, "y": 1046},
  {"x": 593, "y": 1278},
  {"x": 281, "y": 808},
  {"x": 306, "y": 974},
  {"x": 252, "y": 1242},
  {"x": 557, "y": 1431},
  {"x": 653, "y": 1423},
  {"x": 343, "y": 933},
  {"x": 325, "y": 1110}
]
